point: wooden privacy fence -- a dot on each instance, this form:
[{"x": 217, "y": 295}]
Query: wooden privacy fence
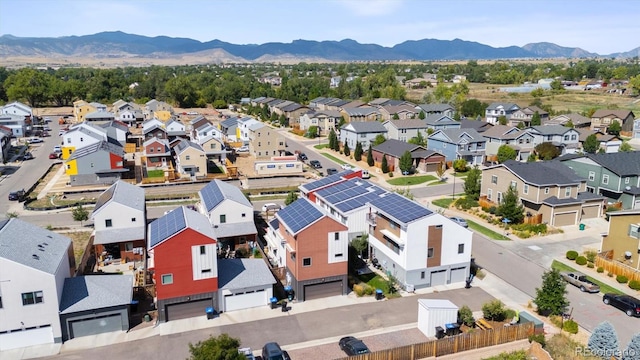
[
  {"x": 452, "y": 344},
  {"x": 617, "y": 268}
]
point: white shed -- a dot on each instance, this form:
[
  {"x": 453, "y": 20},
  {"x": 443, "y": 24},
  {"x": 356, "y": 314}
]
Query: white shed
[{"x": 435, "y": 312}]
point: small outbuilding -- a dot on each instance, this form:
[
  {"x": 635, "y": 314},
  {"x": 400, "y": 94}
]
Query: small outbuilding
[{"x": 434, "y": 313}]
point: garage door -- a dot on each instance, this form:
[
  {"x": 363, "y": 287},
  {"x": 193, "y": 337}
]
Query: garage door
[
  {"x": 188, "y": 310},
  {"x": 96, "y": 325},
  {"x": 636, "y": 205},
  {"x": 564, "y": 219},
  {"x": 323, "y": 290},
  {"x": 432, "y": 167},
  {"x": 439, "y": 277},
  {"x": 245, "y": 300},
  {"x": 18, "y": 339},
  {"x": 590, "y": 212},
  {"x": 458, "y": 275}
]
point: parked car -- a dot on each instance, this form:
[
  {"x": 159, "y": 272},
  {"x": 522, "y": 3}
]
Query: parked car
[
  {"x": 352, "y": 346},
  {"x": 46, "y": 128},
  {"x": 61, "y": 132},
  {"x": 34, "y": 140},
  {"x": 460, "y": 221},
  {"x": 54, "y": 155},
  {"x": 331, "y": 171},
  {"x": 302, "y": 157},
  {"x": 272, "y": 351},
  {"x": 247, "y": 353},
  {"x": 192, "y": 113},
  {"x": 17, "y": 195},
  {"x": 315, "y": 164},
  {"x": 270, "y": 207},
  {"x": 365, "y": 174},
  {"x": 580, "y": 280},
  {"x": 626, "y": 303},
  {"x": 27, "y": 156},
  {"x": 346, "y": 167},
  {"x": 242, "y": 149},
  {"x": 45, "y": 134},
  {"x": 57, "y": 149},
  {"x": 47, "y": 119}
]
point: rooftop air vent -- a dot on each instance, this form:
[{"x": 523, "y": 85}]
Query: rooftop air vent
[{"x": 35, "y": 257}]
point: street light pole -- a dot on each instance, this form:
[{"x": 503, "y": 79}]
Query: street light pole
[{"x": 453, "y": 192}]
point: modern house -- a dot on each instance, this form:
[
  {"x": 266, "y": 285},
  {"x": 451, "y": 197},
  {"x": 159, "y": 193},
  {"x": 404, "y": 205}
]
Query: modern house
[
  {"x": 100, "y": 163},
  {"x": 17, "y": 108},
  {"x": 416, "y": 246},
  {"x": 153, "y": 106},
  {"x": 525, "y": 115},
  {"x": 455, "y": 144},
  {"x": 603, "y": 118},
  {"x": 175, "y": 129},
  {"x": 325, "y": 120},
  {"x": 16, "y": 123},
  {"x": 361, "y": 114},
  {"x": 99, "y": 116},
  {"x": 520, "y": 140},
  {"x": 120, "y": 222},
  {"x": 544, "y": 187},
  {"x": 636, "y": 129},
  {"x": 229, "y": 127},
  {"x": 183, "y": 257},
  {"x": 423, "y": 160},
  {"x": 615, "y": 176},
  {"x": 309, "y": 189},
  {"x": 436, "y": 109},
  {"x": 622, "y": 241},
  {"x": 363, "y": 132},
  {"x": 157, "y": 153},
  {"x": 230, "y": 214},
  {"x": 498, "y": 109},
  {"x": 265, "y": 141},
  {"x": 405, "y": 130},
  {"x": 441, "y": 122},
  {"x": 34, "y": 264},
  {"x": 244, "y": 284},
  {"x": 81, "y": 108},
  {"x": 191, "y": 159},
  {"x": 81, "y": 135},
  {"x": 5, "y": 144}
]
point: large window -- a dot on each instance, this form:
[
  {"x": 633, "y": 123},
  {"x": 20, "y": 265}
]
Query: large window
[
  {"x": 429, "y": 253},
  {"x": 167, "y": 279},
  {"x": 31, "y": 298}
]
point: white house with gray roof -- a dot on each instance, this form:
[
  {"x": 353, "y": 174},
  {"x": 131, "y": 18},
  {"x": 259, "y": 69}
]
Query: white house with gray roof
[
  {"x": 34, "y": 263},
  {"x": 16, "y": 123},
  {"x": 567, "y": 139},
  {"x": 17, "y": 108},
  {"x": 436, "y": 109},
  {"x": 498, "y": 109},
  {"x": 404, "y": 130},
  {"x": 244, "y": 284},
  {"x": 363, "y": 132}
]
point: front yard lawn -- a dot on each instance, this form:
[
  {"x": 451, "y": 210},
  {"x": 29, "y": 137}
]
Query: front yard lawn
[
  {"x": 604, "y": 288},
  {"x": 411, "y": 180},
  {"x": 321, "y": 146},
  {"x": 443, "y": 203},
  {"x": 329, "y": 156},
  {"x": 155, "y": 173},
  {"x": 485, "y": 231},
  {"x": 377, "y": 282}
]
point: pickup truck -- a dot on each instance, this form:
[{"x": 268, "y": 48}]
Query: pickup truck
[{"x": 580, "y": 280}]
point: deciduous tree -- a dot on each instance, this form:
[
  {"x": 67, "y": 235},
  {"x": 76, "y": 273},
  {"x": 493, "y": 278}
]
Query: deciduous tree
[
  {"x": 506, "y": 152},
  {"x": 625, "y": 147},
  {"x": 79, "y": 213},
  {"x": 510, "y": 207},
  {"x": 379, "y": 139},
  {"x": 472, "y": 183},
  {"x": 547, "y": 151},
  {"x": 291, "y": 197},
  {"x": 590, "y": 144},
  {"x": 614, "y": 128},
  {"x": 551, "y": 296},
  {"x": 28, "y": 84},
  {"x": 222, "y": 347}
]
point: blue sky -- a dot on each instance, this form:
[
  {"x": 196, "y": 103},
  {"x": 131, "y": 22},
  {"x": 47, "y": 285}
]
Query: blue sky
[{"x": 602, "y": 26}]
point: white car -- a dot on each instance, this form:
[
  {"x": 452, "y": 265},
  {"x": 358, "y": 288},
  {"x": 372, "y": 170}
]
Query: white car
[
  {"x": 192, "y": 113},
  {"x": 271, "y": 207},
  {"x": 57, "y": 149},
  {"x": 242, "y": 149},
  {"x": 346, "y": 167},
  {"x": 34, "y": 140}
]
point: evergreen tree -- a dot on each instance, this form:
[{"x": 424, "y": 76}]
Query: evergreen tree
[
  {"x": 336, "y": 143},
  {"x": 551, "y": 297},
  {"x": 406, "y": 162},
  {"x": 422, "y": 115},
  {"x": 370, "y": 161},
  {"x": 291, "y": 197},
  {"x": 346, "y": 150},
  {"x": 614, "y": 128},
  {"x": 357, "y": 153},
  {"x": 510, "y": 207},
  {"x": 472, "y": 183},
  {"x": 590, "y": 144},
  {"x": 535, "y": 119},
  {"x": 384, "y": 166},
  {"x": 632, "y": 352},
  {"x": 603, "y": 341},
  {"x": 332, "y": 139}
]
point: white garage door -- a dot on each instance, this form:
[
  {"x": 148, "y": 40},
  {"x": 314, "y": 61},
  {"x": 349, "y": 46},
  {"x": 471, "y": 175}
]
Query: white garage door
[
  {"x": 439, "y": 277},
  {"x": 458, "y": 275},
  {"x": 564, "y": 219},
  {"x": 245, "y": 300},
  {"x": 636, "y": 205},
  {"x": 18, "y": 339}
]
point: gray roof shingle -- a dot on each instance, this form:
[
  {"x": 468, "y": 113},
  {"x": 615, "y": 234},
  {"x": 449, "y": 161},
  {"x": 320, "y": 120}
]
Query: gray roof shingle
[
  {"x": 216, "y": 191},
  {"x": 543, "y": 172},
  {"x": 360, "y": 127},
  {"x": 396, "y": 148},
  {"x": 123, "y": 193},
  {"x": 620, "y": 163},
  {"x": 243, "y": 273},
  {"x": 93, "y": 292}
]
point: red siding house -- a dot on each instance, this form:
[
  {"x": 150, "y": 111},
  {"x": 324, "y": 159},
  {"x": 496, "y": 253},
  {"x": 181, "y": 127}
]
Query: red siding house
[
  {"x": 183, "y": 260},
  {"x": 157, "y": 153}
]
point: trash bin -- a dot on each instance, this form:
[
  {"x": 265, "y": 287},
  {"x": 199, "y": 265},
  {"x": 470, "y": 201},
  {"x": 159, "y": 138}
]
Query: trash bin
[
  {"x": 582, "y": 227},
  {"x": 209, "y": 312},
  {"x": 147, "y": 317},
  {"x": 452, "y": 329},
  {"x": 274, "y": 302},
  {"x": 284, "y": 306},
  {"x": 379, "y": 294},
  {"x": 134, "y": 306},
  {"x": 289, "y": 292},
  {"x": 439, "y": 332}
]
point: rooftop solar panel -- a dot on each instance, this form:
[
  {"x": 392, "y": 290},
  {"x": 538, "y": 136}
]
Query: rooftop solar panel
[
  {"x": 326, "y": 181},
  {"x": 400, "y": 208},
  {"x": 357, "y": 202},
  {"x": 299, "y": 214},
  {"x": 211, "y": 195},
  {"x": 166, "y": 226}
]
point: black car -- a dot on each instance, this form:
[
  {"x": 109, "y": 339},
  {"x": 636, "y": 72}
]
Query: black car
[
  {"x": 17, "y": 195},
  {"x": 353, "y": 346},
  {"x": 331, "y": 171},
  {"x": 626, "y": 303},
  {"x": 315, "y": 164},
  {"x": 302, "y": 157},
  {"x": 27, "y": 156},
  {"x": 272, "y": 351}
]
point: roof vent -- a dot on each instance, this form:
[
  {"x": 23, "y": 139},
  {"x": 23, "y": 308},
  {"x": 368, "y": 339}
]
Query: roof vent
[
  {"x": 36, "y": 257},
  {"x": 46, "y": 244},
  {"x": 627, "y": 187},
  {"x": 50, "y": 237},
  {"x": 40, "y": 246}
]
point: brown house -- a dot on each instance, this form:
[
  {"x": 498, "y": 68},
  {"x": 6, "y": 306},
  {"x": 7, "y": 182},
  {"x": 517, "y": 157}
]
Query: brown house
[
  {"x": 622, "y": 243},
  {"x": 424, "y": 160},
  {"x": 547, "y": 188},
  {"x": 315, "y": 249},
  {"x": 603, "y": 118}
]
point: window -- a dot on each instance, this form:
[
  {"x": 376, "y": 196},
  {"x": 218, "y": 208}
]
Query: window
[
  {"x": 187, "y": 157},
  {"x": 573, "y": 137},
  {"x": 306, "y": 262},
  {"x": 244, "y": 215},
  {"x": 633, "y": 231},
  {"x": 494, "y": 179},
  {"x": 167, "y": 279},
  {"x": 133, "y": 219},
  {"x": 203, "y": 250},
  {"x": 626, "y": 180},
  {"x": 336, "y": 236},
  {"x": 31, "y": 298},
  {"x": 339, "y": 255},
  {"x": 592, "y": 175},
  {"x": 499, "y": 197},
  {"x": 421, "y": 274},
  {"x": 566, "y": 137},
  {"x": 546, "y": 190},
  {"x": 460, "y": 248},
  {"x": 128, "y": 246},
  {"x": 68, "y": 140},
  {"x": 514, "y": 184},
  {"x": 429, "y": 253},
  {"x": 108, "y": 223},
  {"x": 605, "y": 179},
  {"x": 223, "y": 218},
  {"x": 489, "y": 194},
  {"x": 525, "y": 188},
  {"x": 567, "y": 191},
  {"x": 213, "y": 146},
  {"x": 0, "y": 302}
]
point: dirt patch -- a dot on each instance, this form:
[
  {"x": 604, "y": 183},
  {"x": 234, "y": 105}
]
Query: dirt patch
[{"x": 80, "y": 240}]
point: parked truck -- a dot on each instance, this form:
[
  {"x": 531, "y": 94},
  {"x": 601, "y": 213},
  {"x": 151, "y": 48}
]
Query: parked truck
[{"x": 580, "y": 280}]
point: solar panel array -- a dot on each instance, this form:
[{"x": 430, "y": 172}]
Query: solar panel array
[
  {"x": 166, "y": 226},
  {"x": 326, "y": 180},
  {"x": 211, "y": 195},
  {"x": 359, "y": 201},
  {"x": 350, "y": 194},
  {"x": 400, "y": 208},
  {"x": 299, "y": 214}
]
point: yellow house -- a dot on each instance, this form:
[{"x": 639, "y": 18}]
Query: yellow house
[
  {"x": 162, "y": 115},
  {"x": 71, "y": 167},
  {"x": 623, "y": 239},
  {"x": 81, "y": 108}
]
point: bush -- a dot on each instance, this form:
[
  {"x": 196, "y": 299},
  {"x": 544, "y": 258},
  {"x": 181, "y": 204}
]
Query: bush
[
  {"x": 572, "y": 254},
  {"x": 590, "y": 265},
  {"x": 509, "y": 314},
  {"x": 581, "y": 260},
  {"x": 610, "y": 274},
  {"x": 600, "y": 269},
  {"x": 358, "y": 289},
  {"x": 492, "y": 210},
  {"x": 591, "y": 255},
  {"x": 466, "y": 316},
  {"x": 539, "y": 338},
  {"x": 390, "y": 174},
  {"x": 634, "y": 284},
  {"x": 494, "y": 310},
  {"x": 622, "y": 279},
  {"x": 556, "y": 320},
  {"x": 466, "y": 203},
  {"x": 368, "y": 290},
  {"x": 242, "y": 252},
  {"x": 570, "y": 326}
]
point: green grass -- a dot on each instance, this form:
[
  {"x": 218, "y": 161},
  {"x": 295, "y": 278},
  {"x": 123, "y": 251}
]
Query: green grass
[
  {"x": 155, "y": 173},
  {"x": 485, "y": 231},
  {"x": 377, "y": 282},
  {"x": 411, "y": 180},
  {"x": 604, "y": 288},
  {"x": 329, "y": 156},
  {"x": 443, "y": 203},
  {"x": 321, "y": 146},
  {"x": 437, "y": 182},
  {"x": 461, "y": 174}
]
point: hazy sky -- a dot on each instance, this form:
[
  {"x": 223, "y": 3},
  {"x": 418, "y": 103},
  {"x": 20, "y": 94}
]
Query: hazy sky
[{"x": 602, "y": 26}]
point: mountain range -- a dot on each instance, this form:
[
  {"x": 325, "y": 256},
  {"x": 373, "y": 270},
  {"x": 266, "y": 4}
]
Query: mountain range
[{"x": 118, "y": 44}]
